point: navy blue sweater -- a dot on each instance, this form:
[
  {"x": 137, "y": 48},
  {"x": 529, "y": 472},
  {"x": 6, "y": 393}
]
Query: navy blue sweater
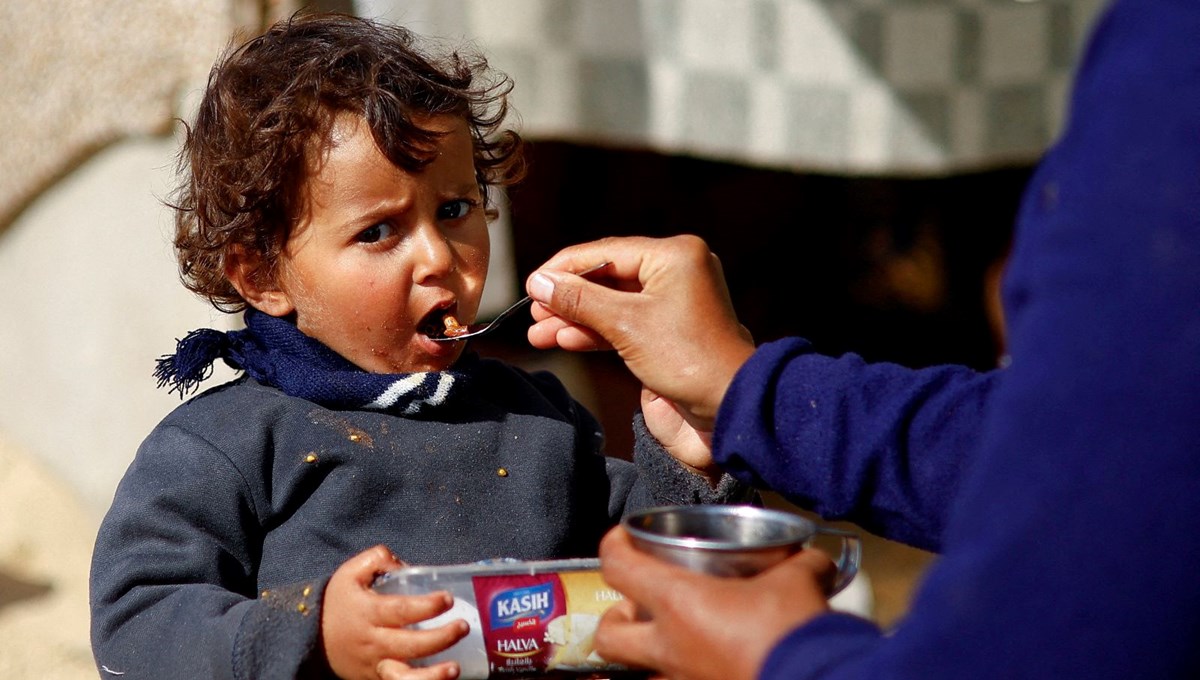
[
  {"x": 1063, "y": 492},
  {"x": 213, "y": 559}
]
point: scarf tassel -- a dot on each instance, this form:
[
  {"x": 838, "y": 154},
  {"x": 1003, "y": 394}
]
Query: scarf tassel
[{"x": 191, "y": 364}]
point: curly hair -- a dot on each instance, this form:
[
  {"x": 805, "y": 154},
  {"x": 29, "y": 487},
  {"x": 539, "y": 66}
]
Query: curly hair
[{"x": 244, "y": 159}]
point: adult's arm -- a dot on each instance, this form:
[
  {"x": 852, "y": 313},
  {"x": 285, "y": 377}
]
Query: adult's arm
[
  {"x": 1071, "y": 545},
  {"x": 878, "y": 443}
]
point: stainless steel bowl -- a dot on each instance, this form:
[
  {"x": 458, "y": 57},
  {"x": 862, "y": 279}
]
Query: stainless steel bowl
[{"x": 733, "y": 540}]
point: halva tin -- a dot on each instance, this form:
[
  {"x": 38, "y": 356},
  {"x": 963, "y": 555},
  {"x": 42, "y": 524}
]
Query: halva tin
[{"x": 528, "y": 619}]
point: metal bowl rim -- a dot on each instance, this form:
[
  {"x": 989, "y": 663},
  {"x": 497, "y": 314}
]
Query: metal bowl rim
[{"x": 692, "y": 543}]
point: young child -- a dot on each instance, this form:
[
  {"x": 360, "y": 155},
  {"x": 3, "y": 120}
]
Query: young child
[{"x": 335, "y": 189}]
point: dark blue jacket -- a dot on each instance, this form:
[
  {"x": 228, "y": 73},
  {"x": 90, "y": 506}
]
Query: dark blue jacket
[
  {"x": 1062, "y": 492},
  {"x": 213, "y": 559}
]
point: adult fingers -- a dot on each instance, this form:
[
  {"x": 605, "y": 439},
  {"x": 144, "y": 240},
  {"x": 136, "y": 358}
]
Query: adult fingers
[
  {"x": 601, "y": 302},
  {"x": 624, "y": 255},
  {"x": 676, "y": 331},
  {"x": 580, "y": 305},
  {"x": 550, "y": 331},
  {"x": 807, "y": 566},
  {"x": 621, "y": 637}
]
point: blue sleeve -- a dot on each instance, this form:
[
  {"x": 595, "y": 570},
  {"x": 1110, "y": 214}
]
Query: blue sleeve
[
  {"x": 878, "y": 443},
  {"x": 173, "y": 591},
  {"x": 1071, "y": 545}
]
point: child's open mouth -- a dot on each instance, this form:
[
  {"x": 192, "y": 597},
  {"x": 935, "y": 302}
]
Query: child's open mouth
[{"x": 441, "y": 323}]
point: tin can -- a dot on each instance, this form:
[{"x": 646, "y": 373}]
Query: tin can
[{"x": 527, "y": 619}]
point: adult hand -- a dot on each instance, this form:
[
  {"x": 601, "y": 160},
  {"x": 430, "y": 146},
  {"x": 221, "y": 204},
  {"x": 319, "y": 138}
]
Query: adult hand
[
  {"x": 700, "y": 627},
  {"x": 365, "y": 633},
  {"x": 664, "y": 307}
]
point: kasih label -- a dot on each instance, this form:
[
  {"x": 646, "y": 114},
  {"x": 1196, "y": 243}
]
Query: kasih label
[
  {"x": 527, "y": 619},
  {"x": 542, "y": 622}
]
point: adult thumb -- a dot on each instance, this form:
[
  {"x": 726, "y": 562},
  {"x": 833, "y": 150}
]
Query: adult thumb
[{"x": 577, "y": 300}]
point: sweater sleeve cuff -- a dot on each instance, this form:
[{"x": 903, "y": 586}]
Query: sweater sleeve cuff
[
  {"x": 280, "y": 636},
  {"x": 673, "y": 483},
  {"x": 818, "y": 648}
]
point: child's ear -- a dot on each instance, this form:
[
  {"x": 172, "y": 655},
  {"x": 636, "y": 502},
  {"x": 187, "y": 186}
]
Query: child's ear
[{"x": 244, "y": 270}]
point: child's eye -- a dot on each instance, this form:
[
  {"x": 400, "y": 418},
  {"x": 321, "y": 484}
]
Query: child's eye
[
  {"x": 374, "y": 233},
  {"x": 454, "y": 210}
]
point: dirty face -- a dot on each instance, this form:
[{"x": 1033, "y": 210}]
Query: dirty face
[{"x": 382, "y": 253}]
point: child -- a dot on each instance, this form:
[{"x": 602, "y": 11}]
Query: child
[{"x": 336, "y": 187}]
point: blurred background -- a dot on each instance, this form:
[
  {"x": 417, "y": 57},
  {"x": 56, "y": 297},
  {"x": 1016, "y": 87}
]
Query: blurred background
[{"x": 856, "y": 164}]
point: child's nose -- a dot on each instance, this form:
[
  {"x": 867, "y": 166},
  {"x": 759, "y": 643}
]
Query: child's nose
[{"x": 433, "y": 253}]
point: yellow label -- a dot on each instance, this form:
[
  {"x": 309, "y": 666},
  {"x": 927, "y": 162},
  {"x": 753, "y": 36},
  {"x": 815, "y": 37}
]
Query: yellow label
[{"x": 588, "y": 597}]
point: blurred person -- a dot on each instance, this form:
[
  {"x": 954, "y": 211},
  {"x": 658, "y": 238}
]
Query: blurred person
[{"x": 1060, "y": 490}]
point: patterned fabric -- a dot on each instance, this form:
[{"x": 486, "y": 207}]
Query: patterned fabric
[
  {"x": 274, "y": 352},
  {"x": 850, "y": 86}
]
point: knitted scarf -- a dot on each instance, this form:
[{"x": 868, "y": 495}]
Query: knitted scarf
[{"x": 274, "y": 352}]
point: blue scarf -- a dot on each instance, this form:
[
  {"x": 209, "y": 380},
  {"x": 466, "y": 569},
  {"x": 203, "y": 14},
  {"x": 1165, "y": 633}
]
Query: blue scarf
[{"x": 274, "y": 352}]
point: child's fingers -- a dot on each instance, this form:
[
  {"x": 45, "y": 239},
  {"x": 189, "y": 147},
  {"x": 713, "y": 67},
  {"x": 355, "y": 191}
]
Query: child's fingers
[
  {"x": 407, "y": 643},
  {"x": 397, "y": 611},
  {"x": 370, "y": 563},
  {"x": 390, "y": 669}
]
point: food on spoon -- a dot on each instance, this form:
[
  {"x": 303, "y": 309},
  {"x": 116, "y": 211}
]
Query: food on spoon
[{"x": 453, "y": 328}]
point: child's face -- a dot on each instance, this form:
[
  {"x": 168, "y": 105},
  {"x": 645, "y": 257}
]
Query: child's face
[{"x": 383, "y": 253}]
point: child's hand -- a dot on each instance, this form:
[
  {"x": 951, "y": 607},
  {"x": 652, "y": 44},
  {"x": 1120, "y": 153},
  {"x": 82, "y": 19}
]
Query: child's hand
[
  {"x": 364, "y": 631},
  {"x": 685, "y": 443}
]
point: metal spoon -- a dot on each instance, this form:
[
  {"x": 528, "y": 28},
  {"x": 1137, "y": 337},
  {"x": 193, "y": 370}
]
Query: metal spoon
[{"x": 477, "y": 329}]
